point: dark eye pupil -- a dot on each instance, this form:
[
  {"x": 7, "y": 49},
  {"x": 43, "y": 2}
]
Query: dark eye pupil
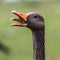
[{"x": 35, "y": 16}]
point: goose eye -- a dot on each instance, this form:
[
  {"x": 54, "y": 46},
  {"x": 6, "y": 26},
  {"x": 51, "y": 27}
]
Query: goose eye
[{"x": 35, "y": 16}]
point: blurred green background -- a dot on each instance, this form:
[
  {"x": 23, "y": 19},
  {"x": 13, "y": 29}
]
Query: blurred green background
[{"x": 19, "y": 40}]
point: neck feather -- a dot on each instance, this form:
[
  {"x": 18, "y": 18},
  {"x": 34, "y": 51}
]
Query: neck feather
[{"x": 38, "y": 44}]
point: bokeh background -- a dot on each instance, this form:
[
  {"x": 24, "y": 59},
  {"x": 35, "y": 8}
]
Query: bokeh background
[{"x": 18, "y": 41}]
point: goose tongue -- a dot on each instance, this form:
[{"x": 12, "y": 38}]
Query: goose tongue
[{"x": 21, "y": 20}]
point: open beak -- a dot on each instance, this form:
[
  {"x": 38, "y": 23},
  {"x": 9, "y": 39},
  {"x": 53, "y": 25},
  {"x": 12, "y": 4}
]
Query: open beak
[{"x": 21, "y": 20}]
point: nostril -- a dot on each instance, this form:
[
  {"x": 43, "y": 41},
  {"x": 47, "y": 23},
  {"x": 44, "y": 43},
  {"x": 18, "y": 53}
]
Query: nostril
[{"x": 21, "y": 14}]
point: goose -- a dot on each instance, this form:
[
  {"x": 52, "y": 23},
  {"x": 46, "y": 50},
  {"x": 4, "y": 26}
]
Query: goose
[{"x": 35, "y": 22}]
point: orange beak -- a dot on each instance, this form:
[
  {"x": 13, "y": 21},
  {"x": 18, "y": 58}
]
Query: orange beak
[
  {"x": 22, "y": 19},
  {"x": 20, "y": 15}
]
